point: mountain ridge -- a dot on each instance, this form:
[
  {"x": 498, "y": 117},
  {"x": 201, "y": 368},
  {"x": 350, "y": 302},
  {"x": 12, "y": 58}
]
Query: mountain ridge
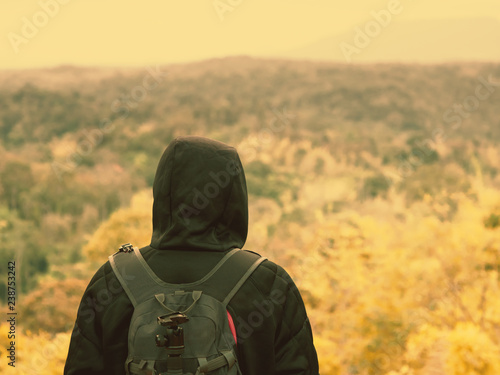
[{"x": 410, "y": 41}]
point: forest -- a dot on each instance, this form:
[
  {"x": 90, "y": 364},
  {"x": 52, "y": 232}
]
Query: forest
[{"x": 376, "y": 186}]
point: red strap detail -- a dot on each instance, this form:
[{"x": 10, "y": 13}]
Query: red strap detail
[{"x": 232, "y": 327}]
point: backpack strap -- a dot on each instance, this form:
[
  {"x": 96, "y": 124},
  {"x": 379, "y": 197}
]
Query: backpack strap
[
  {"x": 242, "y": 280},
  {"x": 130, "y": 276},
  {"x": 229, "y": 278},
  {"x": 222, "y": 282},
  {"x": 227, "y": 357}
]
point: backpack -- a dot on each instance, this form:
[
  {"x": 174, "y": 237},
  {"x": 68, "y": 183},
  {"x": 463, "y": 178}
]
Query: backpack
[{"x": 182, "y": 328}]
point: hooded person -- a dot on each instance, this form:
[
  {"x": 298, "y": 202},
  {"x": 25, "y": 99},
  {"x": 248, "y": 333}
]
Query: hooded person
[{"x": 200, "y": 214}]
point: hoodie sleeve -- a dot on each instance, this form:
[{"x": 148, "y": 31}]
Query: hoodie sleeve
[
  {"x": 294, "y": 347},
  {"x": 94, "y": 350},
  {"x": 274, "y": 333}
]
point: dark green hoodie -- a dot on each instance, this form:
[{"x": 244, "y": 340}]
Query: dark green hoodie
[
  {"x": 200, "y": 212},
  {"x": 200, "y": 197}
]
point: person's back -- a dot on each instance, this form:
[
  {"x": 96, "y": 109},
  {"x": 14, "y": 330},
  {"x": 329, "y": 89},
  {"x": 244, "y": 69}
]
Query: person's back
[{"x": 200, "y": 213}]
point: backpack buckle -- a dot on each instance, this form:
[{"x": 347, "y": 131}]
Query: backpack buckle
[{"x": 126, "y": 248}]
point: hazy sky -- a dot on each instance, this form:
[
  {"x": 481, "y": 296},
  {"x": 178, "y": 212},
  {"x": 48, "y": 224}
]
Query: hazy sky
[{"x": 124, "y": 32}]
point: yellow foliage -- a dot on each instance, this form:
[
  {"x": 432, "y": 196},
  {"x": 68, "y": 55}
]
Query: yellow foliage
[
  {"x": 464, "y": 350},
  {"x": 42, "y": 308},
  {"x": 405, "y": 294},
  {"x": 472, "y": 352},
  {"x": 131, "y": 224},
  {"x": 328, "y": 361},
  {"x": 425, "y": 346},
  {"x": 389, "y": 290},
  {"x": 41, "y": 354}
]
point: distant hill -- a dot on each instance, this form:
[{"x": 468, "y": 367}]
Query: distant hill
[{"x": 422, "y": 41}]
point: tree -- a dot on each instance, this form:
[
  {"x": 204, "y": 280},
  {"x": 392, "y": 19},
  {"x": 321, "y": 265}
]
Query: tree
[
  {"x": 16, "y": 178},
  {"x": 52, "y": 306},
  {"x": 127, "y": 225}
]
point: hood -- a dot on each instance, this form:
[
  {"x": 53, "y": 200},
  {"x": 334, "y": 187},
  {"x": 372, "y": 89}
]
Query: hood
[{"x": 200, "y": 197}]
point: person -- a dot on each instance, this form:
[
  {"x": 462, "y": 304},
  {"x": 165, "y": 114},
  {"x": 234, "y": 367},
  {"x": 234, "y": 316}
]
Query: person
[{"x": 200, "y": 213}]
